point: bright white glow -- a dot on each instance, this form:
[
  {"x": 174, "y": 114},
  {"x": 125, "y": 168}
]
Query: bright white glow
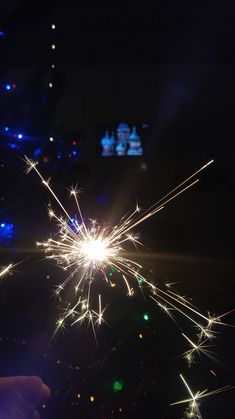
[
  {"x": 95, "y": 250},
  {"x": 51, "y": 139},
  {"x": 53, "y": 26},
  {"x": 53, "y": 46},
  {"x": 50, "y": 84},
  {"x": 52, "y": 65}
]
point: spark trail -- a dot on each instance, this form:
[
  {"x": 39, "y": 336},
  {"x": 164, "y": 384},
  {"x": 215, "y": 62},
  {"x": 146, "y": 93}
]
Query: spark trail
[
  {"x": 8, "y": 269},
  {"x": 5, "y": 270}
]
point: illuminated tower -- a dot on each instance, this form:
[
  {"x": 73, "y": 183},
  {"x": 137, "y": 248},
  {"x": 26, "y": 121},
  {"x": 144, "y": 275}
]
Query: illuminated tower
[
  {"x": 135, "y": 148},
  {"x": 123, "y": 133},
  {"x": 107, "y": 143}
]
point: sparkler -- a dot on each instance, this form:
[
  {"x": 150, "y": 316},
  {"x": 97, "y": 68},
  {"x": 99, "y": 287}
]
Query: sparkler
[{"x": 87, "y": 250}]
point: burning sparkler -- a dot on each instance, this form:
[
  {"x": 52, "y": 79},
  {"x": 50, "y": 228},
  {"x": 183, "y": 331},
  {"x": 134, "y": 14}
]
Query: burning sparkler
[{"x": 87, "y": 250}]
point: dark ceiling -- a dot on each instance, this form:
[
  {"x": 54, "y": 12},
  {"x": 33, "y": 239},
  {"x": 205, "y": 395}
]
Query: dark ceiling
[{"x": 90, "y": 32}]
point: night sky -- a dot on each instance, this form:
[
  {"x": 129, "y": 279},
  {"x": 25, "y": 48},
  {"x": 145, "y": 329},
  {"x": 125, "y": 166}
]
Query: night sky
[{"x": 168, "y": 65}]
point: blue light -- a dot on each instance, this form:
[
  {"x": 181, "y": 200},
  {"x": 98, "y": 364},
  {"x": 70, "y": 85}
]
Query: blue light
[
  {"x": 20, "y": 136},
  {"x": 102, "y": 199},
  {"x": 37, "y": 152},
  {"x": 6, "y": 232},
  {"x": 74, "y": 223},
  {"x": 2, "y": 33},
  {"x": 74, "y": 153},
  {"x": 8, "y": 87},
  {"x": 12, "y": 145},
  {"x": 6, "y": 129}
]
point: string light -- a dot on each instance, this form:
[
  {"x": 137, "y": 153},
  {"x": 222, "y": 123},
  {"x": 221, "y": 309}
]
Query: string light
[
  {"x": 50, "y": 84},
  {"x": 53, "y": 46},
  {"x": 53, "y": 26}
]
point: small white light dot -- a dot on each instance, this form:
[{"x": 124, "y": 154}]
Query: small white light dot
[
  {"x": 53, "y": 26},
  {"x": 51, "y": 139},
  {"x": 50, "y": 84},
  {"x": 52, "y": 65},
  {"x": 52, "y": 46}
]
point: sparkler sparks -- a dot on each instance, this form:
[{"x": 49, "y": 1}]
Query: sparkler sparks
[
  {"x": 88, "y": 251},
  {"x": 193, "y": 409},
  {"x": 6, "y": 270}
]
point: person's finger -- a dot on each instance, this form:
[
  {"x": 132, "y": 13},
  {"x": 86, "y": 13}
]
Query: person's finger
[
  {"x": 22, "y": 396},
  {"x": 46, "y": 393},
  {"x": 32, "y": 391},
  {"x": 7, "y": 383}
]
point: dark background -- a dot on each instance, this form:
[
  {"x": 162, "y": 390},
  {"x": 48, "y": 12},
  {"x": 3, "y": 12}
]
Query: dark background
[{"x": 170, "y": 64}]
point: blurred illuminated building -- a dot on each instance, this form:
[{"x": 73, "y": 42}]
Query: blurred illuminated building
[
  {"x": 127, "y": 142},
  {"x": 108, "y": 144},
  {"x": 135, "y": 148}
]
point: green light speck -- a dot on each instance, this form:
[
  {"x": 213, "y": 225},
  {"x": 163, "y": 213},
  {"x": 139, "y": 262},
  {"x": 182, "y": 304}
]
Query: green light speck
[{"x": 117, "y": 385}]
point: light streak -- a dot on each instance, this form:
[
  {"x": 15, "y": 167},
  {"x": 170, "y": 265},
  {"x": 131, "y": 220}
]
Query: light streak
[
  {"x": 6, "y": 270},
  {"x": 193, "y": 409}
]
